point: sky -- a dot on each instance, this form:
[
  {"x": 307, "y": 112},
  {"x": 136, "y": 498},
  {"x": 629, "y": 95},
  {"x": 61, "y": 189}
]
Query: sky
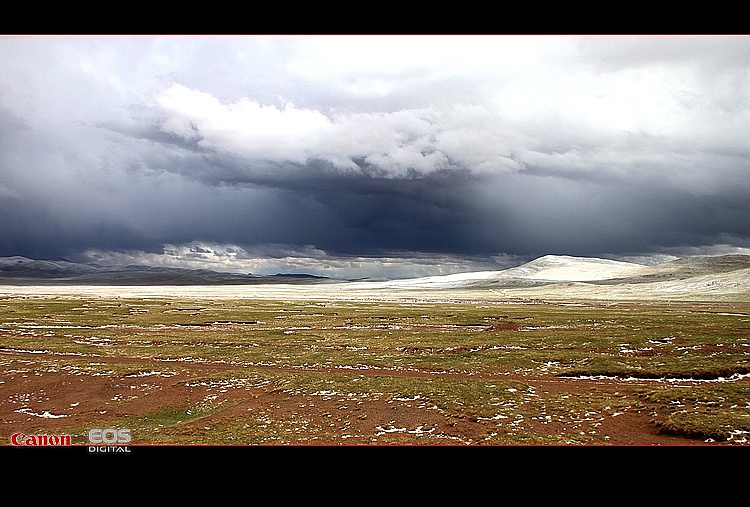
[{"x": 373, "y": 155}]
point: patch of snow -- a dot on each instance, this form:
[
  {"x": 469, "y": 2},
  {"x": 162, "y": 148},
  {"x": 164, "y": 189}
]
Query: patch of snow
[{"x": 44, "y": 415}]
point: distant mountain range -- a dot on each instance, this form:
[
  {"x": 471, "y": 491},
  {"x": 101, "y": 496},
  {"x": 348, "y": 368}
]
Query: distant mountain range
[
  {"x": 592, "y": 270},
  {"x": 724, "y": 276},
  {"x": 24, "y": 271}
]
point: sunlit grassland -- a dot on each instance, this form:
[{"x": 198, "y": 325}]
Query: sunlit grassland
[{"x": 308, "y": 347}]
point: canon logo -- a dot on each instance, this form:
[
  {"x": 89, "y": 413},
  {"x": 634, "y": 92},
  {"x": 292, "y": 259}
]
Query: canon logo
[{"x": 39, "y": 440}]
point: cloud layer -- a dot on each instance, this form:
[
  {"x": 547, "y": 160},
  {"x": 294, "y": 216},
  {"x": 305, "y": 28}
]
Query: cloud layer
[{"x": 465, "y": 149}]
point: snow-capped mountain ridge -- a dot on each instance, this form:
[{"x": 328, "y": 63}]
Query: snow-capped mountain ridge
[
  {"x": 546, "y": 269},
  {"x": 573, "y": 269},
  {"x": 556, "y": 269},
  {"x": 719, "y": 276}
]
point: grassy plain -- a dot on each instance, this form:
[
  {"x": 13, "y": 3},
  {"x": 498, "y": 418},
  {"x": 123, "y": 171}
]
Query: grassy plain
[{"x": 480, "y": 370}]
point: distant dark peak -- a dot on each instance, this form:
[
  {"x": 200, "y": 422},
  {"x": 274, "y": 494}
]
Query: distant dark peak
[
  {"x": 297, "y": 275},
  {"x": 20, "y": 270}
]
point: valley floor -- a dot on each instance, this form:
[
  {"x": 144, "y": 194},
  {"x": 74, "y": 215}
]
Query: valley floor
[{"x": 329, "y": 378}]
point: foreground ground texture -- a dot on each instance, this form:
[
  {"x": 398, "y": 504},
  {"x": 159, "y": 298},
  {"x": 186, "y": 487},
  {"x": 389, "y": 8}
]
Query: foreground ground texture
[{"x": 272, "y": 370}]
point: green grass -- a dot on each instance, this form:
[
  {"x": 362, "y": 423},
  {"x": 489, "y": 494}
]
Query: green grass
[
  {"x": 698, "y": 341},
  {"x": 719, "y": 412}
]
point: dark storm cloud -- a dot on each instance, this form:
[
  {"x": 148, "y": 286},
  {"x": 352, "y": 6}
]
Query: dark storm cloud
[
  {"x": 357, "y": 210},
  {"x": 342, "y": 150}
]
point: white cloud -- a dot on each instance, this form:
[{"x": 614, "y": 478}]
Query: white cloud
[
  {"x": 270, "y": 259},
  {"x": 397, "y": 142},
  {"x": 484, "y": 103},
  {"x": 243, "y": 127}
]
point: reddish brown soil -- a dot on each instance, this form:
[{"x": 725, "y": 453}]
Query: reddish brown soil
[{"x": 28, "y": 392}]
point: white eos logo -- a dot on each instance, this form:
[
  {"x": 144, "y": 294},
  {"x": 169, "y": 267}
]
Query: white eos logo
[{"x": 109, "y": 436}]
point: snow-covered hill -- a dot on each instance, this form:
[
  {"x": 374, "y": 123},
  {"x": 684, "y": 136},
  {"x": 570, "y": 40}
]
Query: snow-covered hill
[
  {"x": 550, "y": 268},
  {"x": 564, "y": 268},
  {"x": 724, "y": 277},
  {"x": 594, "y": 277}
]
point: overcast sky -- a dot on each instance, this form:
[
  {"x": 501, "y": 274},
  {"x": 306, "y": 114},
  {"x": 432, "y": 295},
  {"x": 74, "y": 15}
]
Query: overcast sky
[{"x": 372, "y": 155}]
